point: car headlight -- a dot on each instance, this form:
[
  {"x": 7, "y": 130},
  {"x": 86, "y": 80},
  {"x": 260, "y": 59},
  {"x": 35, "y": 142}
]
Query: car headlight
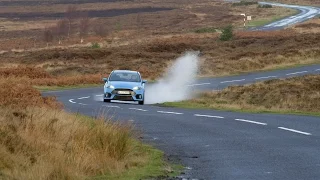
[
  {"x": 110, "y": 87},
  {"x": 137, "y": 88}
]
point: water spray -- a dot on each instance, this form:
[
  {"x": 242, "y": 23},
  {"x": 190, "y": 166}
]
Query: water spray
[{"x": 174, "y": 85}]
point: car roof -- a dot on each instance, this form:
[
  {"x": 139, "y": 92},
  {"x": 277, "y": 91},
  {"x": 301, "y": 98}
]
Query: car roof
[{"x": 126, "y": 71}]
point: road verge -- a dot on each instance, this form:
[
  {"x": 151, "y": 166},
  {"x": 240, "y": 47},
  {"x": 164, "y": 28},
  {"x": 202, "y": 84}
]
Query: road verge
[{"x": 298, "y": 95}]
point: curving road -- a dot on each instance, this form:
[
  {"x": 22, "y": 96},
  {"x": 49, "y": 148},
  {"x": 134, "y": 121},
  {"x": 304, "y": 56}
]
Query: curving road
[
  {"x": 305, "y": 13},
  {"x": 218, "y": 144}
]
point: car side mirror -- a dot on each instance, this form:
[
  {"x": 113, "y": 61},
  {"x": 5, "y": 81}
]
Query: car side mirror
[
  {"x": 105, "y": 80},
  {"x": 144, "y": 81}
]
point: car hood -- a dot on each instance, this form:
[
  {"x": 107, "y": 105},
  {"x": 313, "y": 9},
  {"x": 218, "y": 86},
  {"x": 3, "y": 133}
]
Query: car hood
[{"x": 124, "y": 85}]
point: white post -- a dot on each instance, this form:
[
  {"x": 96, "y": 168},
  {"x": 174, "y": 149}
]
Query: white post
[{"x": 244, "y": 19}]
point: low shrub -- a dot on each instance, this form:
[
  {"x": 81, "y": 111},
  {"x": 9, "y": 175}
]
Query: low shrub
[
  {"x": 227, "y": 33},
  {"x": 264, "y": 6},
  {"x": 95, "y": 45},
  {"x": 244, "y": 3}
]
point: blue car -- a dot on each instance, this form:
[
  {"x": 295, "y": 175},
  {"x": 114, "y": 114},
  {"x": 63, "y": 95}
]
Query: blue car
[{"x": 124, "y": 85}]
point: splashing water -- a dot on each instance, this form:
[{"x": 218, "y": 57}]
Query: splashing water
[{"x": 174, "y": 85}]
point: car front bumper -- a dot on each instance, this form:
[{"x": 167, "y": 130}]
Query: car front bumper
[{"x": 133, "y": 95}]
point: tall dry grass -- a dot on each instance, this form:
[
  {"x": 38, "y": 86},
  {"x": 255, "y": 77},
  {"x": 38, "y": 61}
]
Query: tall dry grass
[
  {"x": 25, "y": 75},
  {"x": 18, "y": 93},
  {"x": 299, "y": 94},
  {"x": 40, "y": 143}
]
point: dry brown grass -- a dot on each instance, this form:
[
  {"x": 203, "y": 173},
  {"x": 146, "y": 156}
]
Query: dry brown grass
[
  {"x": 28, "y": 72},
  {"x": 68, "y": 80},
  {"x": 185, "y": 17},
  {"x": 299, "y": 94},
  {"x": 39, "y": 143},
  {"x": 15, "y": 93},
  {"x": 24, "y": 77},
  {"x": 28, "y": 25},
  {"x": 311, "y": 26},
  {"x": 249, "y": 51},
  {"x": 38, "y": 140}
]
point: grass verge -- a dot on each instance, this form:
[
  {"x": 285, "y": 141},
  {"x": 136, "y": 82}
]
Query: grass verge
[
  {"x": 272, "y": 68},
  {"x": 298, "y": 95},
  {"x": 156, "y": 167},
  {"x": 56, "y": 88},
  {"x": 52, "y": 144},
  {"x": 192, "y": 105}
]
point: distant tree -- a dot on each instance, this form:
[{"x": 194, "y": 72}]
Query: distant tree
[
  {"x": 48, "y": 35},
  {"x": 61, "y": 29},
  {"x": 71, "y": 14},
  {"x": 84, "y": 28},
  {"x": 100, "y": 30},
  {"x": 227, "y": 33}
]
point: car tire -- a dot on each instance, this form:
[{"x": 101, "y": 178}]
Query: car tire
[
  {"x": 106, "y": 100},
  {"x": 141, "y": 102}
]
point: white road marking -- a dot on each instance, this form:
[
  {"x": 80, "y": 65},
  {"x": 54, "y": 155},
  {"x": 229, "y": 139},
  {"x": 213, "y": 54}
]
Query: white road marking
[
  {"x": 168, "y": 112},
  {"x": 137, "y": 109},
  {"x": 202, "y": 115},
  {"x": 296, "y": 73},
  {"x": 111, "y": 106},
  {"x": 199, "y": 84},
  {"x": 296, "y": 131},
  {"x": 267, "y": 77},
  {"x": 82, "y": 104},
  {"x": 254, "y": 122},
  {"x": 99, "y": 95},
  {"x": 84, "y": 97},
  {"x": 317, "y": 69},
  {"x": 233, "y": 81},
  {"x": 71, "y": 100}
]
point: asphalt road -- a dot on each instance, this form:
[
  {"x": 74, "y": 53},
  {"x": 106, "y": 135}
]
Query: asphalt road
[
  {"x": 305, "y": 13},
  {"x": 218, "y": 144}
]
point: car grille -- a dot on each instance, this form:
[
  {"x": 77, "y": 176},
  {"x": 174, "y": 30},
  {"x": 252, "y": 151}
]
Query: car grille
[
  {"x": 123, "y": 98},
  {"x": 117, "y": 90}
]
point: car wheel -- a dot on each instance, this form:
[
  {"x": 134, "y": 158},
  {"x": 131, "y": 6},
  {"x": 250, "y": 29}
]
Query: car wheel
[
  {"x": 141, "y": 102},
  {"x": 106, "y": 100}
]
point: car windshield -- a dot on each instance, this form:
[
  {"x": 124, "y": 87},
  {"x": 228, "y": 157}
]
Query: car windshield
[{"x": 125, "y": 76}]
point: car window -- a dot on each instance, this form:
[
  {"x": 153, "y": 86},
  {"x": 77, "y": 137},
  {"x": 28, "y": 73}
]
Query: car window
[{"x": 125, "y": 76}]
